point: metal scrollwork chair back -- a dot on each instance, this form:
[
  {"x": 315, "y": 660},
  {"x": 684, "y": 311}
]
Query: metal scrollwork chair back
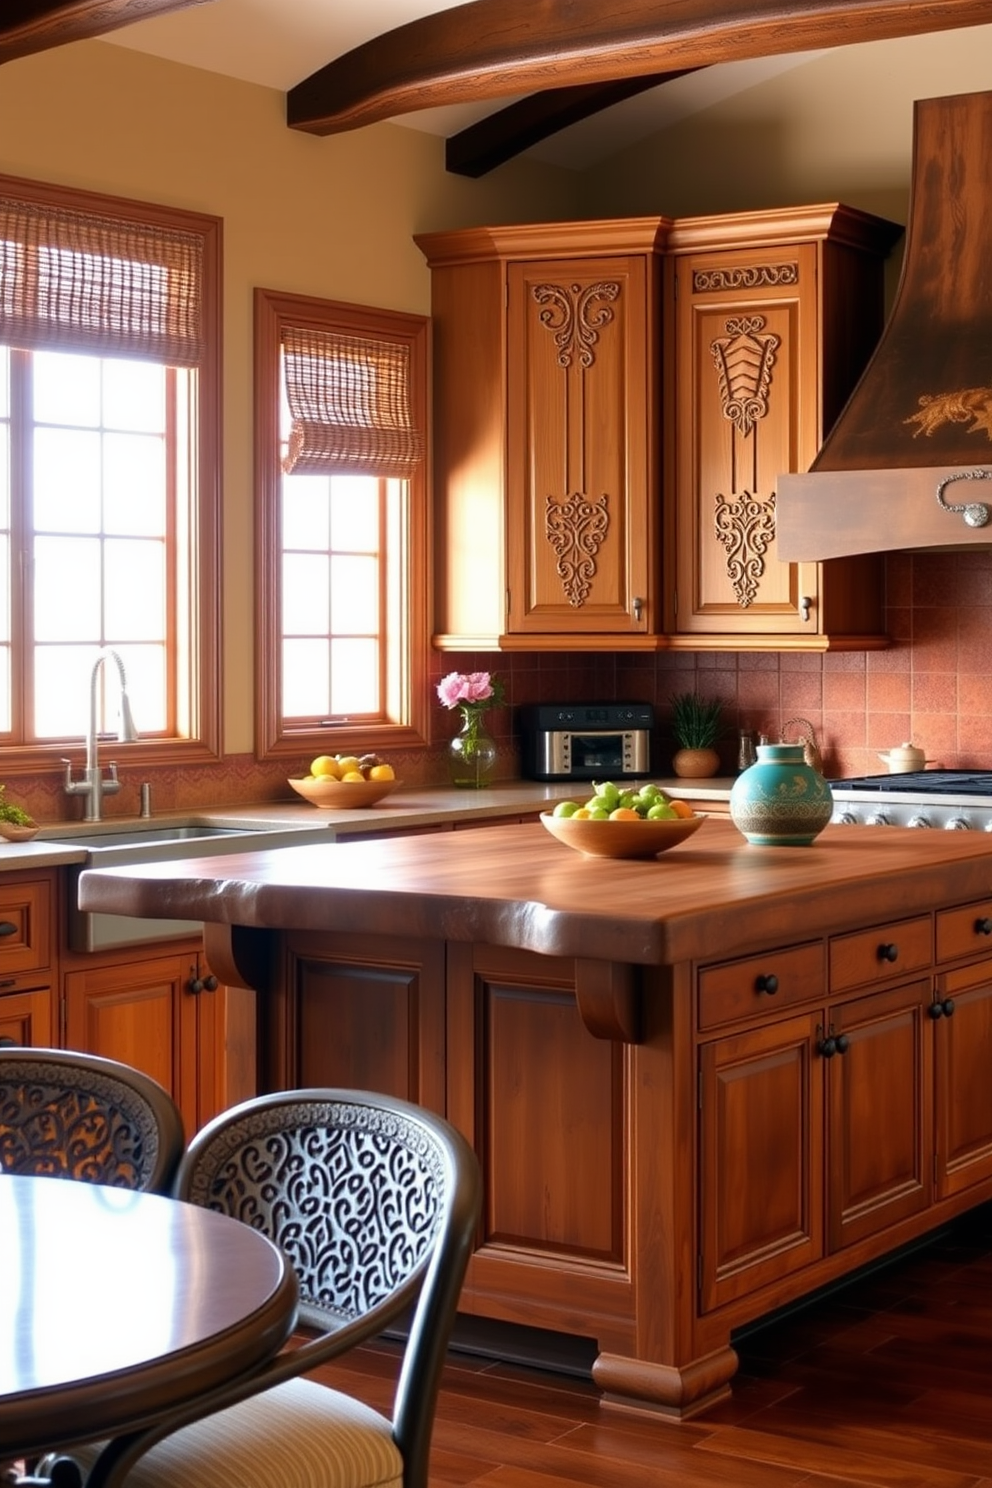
[
  {"x": 376, "y": 1202},
  {"x": 65, "y": 1114}
]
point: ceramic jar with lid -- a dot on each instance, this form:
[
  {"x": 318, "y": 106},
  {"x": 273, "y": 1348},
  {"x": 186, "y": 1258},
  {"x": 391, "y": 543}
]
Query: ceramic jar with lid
[
  {"x": 780, "y": 801},
  {"x": 904, "y": 759}
]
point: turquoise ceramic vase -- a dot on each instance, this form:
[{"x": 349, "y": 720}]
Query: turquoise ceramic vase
[{"x": 780, "y": 801}]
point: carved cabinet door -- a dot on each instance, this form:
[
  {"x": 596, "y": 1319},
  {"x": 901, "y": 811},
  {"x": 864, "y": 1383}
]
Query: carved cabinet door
[
  {"x": 581, "y": 434},
  {"x": 746, "y": 395}
]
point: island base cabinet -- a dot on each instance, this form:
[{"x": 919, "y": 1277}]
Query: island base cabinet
[
  {"x": 761, "y": 1159},
  {"x": 962, "y": 1040},
  {"x": 359, "y": 1013},
  {"x": 879, "y": 1113},
  {"x": 543, "y": 1103}
]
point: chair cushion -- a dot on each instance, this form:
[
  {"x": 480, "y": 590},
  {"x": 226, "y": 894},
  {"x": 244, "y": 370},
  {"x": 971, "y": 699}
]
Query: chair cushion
[{"x": 297, "y": 1435}]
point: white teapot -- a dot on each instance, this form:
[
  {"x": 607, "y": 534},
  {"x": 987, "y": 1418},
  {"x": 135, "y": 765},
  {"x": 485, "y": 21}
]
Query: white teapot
[{"x": 907, "y": 757}]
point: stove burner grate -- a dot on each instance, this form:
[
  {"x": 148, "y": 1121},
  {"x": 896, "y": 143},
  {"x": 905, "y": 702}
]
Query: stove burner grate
[{"x": 923, "y": 783}]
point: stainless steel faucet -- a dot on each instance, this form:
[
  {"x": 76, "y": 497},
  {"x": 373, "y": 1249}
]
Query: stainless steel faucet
[{"x": 93, "y": 785}]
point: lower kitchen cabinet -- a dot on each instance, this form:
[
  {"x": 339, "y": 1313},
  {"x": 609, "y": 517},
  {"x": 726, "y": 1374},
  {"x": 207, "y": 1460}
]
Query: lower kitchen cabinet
[
  {"x": 27, "y": 959},
  {"x": 26, "y": 1018},
  {"x": 163, "y": 1012}
]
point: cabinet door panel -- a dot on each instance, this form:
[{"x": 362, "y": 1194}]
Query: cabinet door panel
[
  {"x": 963, "y": 1056},
  {"x": 761, "y": 1158},
  {"x": 143, "y": 1014},
  {"x": 368, "y": 1015},
  {"x": 747, "y": 410},
  {"x": 879, "y": 1113},
  {"x": 578, "y": 391}
]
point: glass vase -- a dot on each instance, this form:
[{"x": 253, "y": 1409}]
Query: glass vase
[{"x": 472, "y": 752}]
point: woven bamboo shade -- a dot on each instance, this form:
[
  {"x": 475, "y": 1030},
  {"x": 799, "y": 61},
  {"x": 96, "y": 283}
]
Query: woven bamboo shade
[
  {"x": 79, "y": 281},
  {"x": 349, "y": 398}
]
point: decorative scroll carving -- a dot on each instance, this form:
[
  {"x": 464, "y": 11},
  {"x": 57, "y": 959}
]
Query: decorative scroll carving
[
  {"x": 746, "y": 527},
  {"x": 744, "y": 361},
  {"x": 575, "y": 315},
  {"x": 755, "y": 276},
  {"x": 575, "y": 528}
]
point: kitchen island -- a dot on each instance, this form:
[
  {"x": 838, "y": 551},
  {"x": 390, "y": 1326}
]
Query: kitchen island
[{"x": 700, "y": 1086}]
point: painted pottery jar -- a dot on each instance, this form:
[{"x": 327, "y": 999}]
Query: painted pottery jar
[{"x": 780, "y": 801}]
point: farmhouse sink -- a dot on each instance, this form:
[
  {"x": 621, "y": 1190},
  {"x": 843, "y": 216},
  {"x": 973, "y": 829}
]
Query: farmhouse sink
[{"x": 109, "y": 844}]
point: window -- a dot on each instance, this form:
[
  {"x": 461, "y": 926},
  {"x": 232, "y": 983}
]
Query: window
[
  {"x": 341, "y": 526},
  {"x": 109, "y": 470}
]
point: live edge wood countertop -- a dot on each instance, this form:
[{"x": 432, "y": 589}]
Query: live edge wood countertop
[{"x": 516, "y": 886}]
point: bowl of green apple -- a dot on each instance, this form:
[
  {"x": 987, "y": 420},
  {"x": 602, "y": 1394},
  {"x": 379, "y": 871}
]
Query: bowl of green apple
[{"x": 622, "y": 821}]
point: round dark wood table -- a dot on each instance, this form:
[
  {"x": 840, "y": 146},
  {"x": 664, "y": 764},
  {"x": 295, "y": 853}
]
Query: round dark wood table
[{"x": 117, "y": 1308}]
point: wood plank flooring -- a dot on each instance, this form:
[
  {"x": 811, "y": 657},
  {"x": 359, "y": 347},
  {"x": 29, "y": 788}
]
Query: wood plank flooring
[{"x": 884, "y": 1384}]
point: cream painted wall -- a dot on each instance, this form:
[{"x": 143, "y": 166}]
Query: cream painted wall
[
  {"x": 328, "y": 217},
  {"x": 837, "y": 128}
]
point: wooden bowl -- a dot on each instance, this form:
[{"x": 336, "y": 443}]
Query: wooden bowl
[
  {"x": 335, "y": 795},
  {"x": 621, "y": 839},
  {"x": 11, "y": 832}
]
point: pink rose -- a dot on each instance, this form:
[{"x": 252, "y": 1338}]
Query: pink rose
[{"x": 464, "y": 687}]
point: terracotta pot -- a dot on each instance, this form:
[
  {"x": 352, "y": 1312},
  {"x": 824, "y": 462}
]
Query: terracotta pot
[{"x": 696, "y": 764}]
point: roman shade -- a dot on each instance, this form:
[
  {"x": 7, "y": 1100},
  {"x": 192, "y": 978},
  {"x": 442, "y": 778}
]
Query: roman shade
[
  {"x": 73, "y": 280},
  {"x": 349, "y": 400}
]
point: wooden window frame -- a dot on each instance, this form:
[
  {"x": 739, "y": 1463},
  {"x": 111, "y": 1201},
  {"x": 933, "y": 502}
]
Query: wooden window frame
[
  {"x": 407, "y": 694},
  {"x": 201, "y": 739}
]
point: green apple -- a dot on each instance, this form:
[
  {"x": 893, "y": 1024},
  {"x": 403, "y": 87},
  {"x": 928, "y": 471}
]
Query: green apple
[{"x": 565, "y": 808}]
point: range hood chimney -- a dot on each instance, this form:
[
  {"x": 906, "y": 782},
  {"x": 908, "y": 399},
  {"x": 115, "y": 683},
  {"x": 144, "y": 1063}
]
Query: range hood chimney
[{"x": 908, "y": 464}]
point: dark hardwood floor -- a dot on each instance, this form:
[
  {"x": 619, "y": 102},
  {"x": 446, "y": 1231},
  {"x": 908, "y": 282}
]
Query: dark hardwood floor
[{"x": 886, "y": 1383}]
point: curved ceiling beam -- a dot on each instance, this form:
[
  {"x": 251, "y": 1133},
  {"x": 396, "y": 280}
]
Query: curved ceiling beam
[
  {"x": 502, "y": 135},
  {"x": 494, "y": 48},
  {"x": 28, "y": 26}
]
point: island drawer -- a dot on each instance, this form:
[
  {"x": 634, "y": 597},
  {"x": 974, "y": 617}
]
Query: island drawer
[
  {"x": 25, "y": 926},
  {"x": 964, "y": 931},
  {"x": 754, "y": 984},
  {"x": 899, "y": 949}
]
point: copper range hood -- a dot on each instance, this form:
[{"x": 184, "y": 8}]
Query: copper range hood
[{"x": 908, "y": 464}]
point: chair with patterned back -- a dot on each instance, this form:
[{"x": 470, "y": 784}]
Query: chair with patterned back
[
  {"x": 69, "y": 1115},
  {"x": 376, "y": 1202}
]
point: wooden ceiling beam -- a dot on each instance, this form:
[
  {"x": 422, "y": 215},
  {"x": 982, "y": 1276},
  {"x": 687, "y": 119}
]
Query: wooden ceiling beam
[
  {"x": 495, "y": 48},
  {"x": 28, "y": 26},
  {"x": 502, "y": 135}
]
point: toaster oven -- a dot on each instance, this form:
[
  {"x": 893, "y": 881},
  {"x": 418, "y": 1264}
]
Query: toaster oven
[{"x": 586, "y": 741}]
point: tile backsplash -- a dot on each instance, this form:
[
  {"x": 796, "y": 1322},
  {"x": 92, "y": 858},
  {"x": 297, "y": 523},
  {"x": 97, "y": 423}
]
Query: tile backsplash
[{"x": 932, "y": 685}]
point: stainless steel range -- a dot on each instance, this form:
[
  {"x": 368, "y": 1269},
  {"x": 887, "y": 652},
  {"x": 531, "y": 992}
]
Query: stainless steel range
[{"x": 956, "y": 800}]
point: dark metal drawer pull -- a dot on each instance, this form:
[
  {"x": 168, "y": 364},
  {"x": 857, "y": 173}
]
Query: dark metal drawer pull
[{"x": 888, "y": 951}]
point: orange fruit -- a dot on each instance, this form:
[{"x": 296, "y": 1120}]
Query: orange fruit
[
  {"x": 681, "y": 808},
  {"x": 625, "y": 813}
]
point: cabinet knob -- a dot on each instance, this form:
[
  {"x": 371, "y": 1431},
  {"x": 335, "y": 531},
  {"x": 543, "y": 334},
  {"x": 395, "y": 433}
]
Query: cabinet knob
[
  {"x": 936, "y": 1010},
  {"x": 767, "y": 984},
  {"x": 637, "y": 606},
  {"x": 195, "y": 985},
  {"x": 947, "y": 1006},
  {"x": 210, "y": 982},
  {"x": 888, "y": 951},
  {"x": 805, "y": 605},
  {"x": 827, "y": 1047},
  {"x": 7, "y": 927},
  {"x": 6, "y": 1042},
  {"x": 983, "y": 926},
  {"x": 843, "y": 1043}
]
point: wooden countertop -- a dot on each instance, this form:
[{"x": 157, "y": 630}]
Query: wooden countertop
[{"x": 712, "y": 896}]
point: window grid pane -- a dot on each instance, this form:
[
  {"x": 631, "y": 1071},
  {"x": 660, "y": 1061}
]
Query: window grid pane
[{"x": 333, "y": 563}]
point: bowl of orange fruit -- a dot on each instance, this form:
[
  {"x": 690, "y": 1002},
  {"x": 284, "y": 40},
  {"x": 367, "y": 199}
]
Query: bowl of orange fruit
[
  {"x": 339, "y": 781},
  {"x": 622, "y": 822}
]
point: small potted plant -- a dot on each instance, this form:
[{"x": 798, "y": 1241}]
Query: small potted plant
[
  {"x": 697, "y": 724},
  {"x": 15, "y": 824}
]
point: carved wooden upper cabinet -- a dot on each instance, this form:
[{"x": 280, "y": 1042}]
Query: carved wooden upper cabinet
[
  {"x": 771, "y": 317},
  {"x": 547, "y": 356}
]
